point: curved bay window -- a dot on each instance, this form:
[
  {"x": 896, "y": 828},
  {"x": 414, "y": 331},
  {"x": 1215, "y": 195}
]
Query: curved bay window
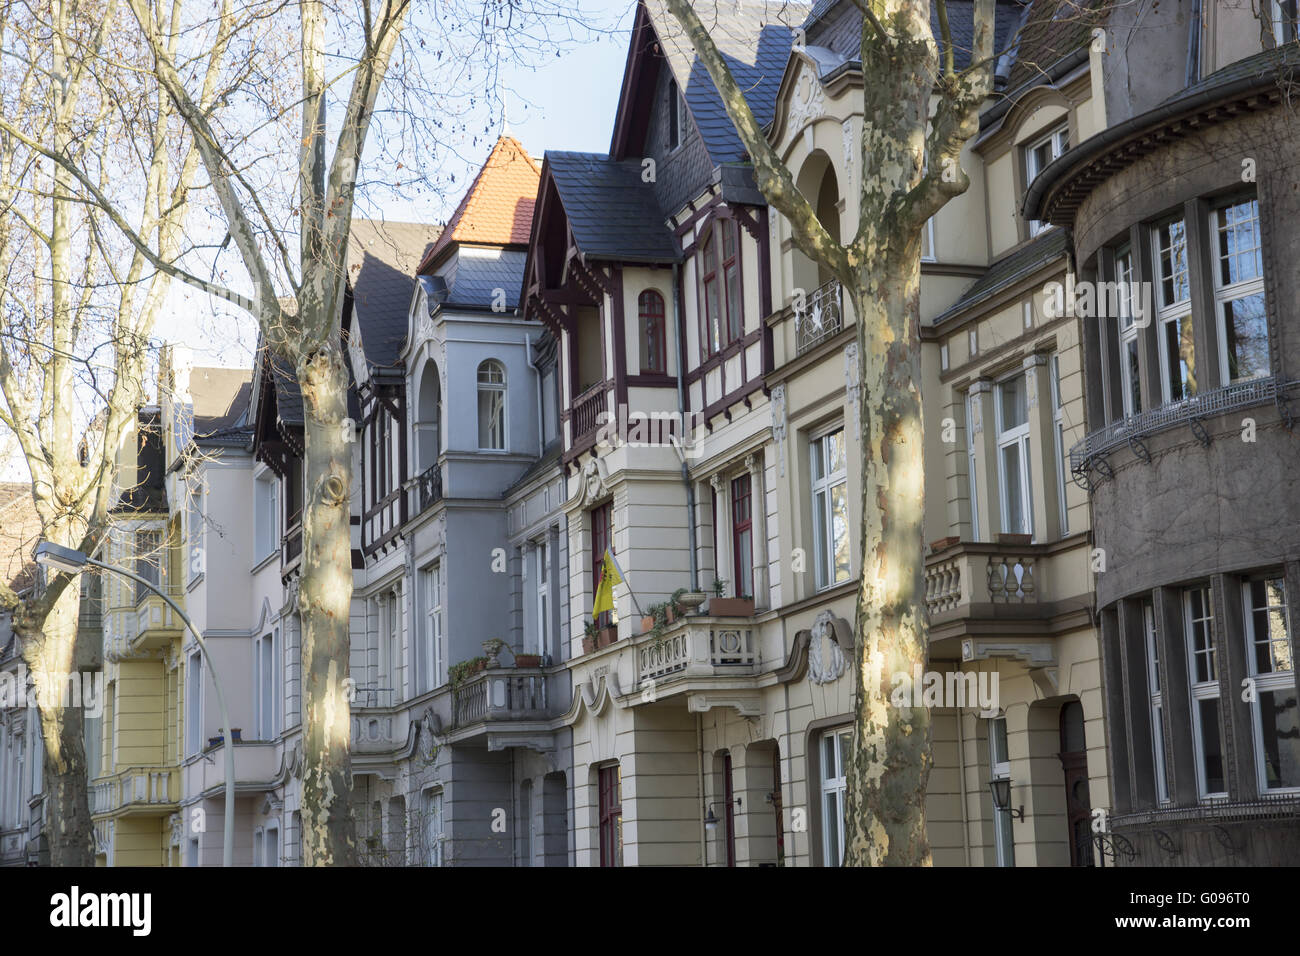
[
  {"x": 654, "y": 349},
  {"x": 722, "y": 302},
  {"x": 491, "y": 406}
]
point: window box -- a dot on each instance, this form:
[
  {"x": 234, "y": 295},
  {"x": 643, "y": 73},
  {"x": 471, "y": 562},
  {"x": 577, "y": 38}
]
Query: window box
[
  {"x": 731, "y": 607},
  {"x": 528, "y": 660}
]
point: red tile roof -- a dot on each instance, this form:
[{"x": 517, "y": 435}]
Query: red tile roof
[{"x": 498, "y": 208}]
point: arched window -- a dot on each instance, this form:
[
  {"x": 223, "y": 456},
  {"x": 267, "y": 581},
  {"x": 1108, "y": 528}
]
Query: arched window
[
  {"x": 428, "y": 411},
  {"x": 492, "y": 405},
  {"x": 654, "y": 349}
]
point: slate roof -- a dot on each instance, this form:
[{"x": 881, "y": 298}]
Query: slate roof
[
  {"x": 1024, "y": 261},
  {"x": 221, "y": 401},
  {"x": 1053, "y": 29},
  {"x": 497, "y": 209},
  {"x": 382, "y": 259},
  {"x": 754, "y": 37},
  {"x": 473, "y": 277},
  {"x": 612, "y": 212}
]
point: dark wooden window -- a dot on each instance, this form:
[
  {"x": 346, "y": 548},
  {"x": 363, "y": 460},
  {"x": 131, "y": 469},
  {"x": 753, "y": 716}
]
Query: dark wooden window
[
  {"x": 722, "y": 308},
  {"x": 742, "y": 537},
  {"x": 654, "y": 350},
  {"x": 602, "y": 526},
  {"x": 611, "y": 816}
]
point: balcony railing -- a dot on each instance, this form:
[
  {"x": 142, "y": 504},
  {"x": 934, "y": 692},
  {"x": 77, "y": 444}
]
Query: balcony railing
[
  {"x": 1090, "y": 454},
  {"x": 981, "y": 573},
  {"x": 136, "y": 788},
  {"x": 428, "y": 488},
  {"x": 500, "y": 694},
  {"x": 586, "y": 409},
  {"x": 820, "y": 318},
  {"x": 704, "y": 650}
]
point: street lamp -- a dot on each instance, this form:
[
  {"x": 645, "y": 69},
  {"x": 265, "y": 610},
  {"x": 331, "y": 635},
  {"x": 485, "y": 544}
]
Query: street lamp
[{"x": 71, "y": 561}]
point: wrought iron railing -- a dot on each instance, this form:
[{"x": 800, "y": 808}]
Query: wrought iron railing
[
  {"x": 821, "y": 317},
  {"x": 1089, "y": 455},
  {"x": 429, "y": 487}
]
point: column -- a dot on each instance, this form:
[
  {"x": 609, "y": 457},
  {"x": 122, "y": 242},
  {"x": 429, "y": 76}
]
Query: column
[
  {"x": 758, "y": 516},
  {"x": 1042, "y": 442},
  {"x": 984, "y": 441}
]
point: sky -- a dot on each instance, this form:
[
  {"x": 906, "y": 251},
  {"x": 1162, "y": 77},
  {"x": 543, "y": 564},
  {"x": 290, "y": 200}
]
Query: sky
[{"x": 568, "y": 103}]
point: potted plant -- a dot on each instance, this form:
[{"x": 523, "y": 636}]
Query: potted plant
[
  {"x": 589, "y": 637},
  {"x": 686, "y": 601},
  {"x": 720, "y": 606},
  {"x": 492, "y": 648},
  {"x": 607, "y": 635},
  {"x": 457, "y": 674}
]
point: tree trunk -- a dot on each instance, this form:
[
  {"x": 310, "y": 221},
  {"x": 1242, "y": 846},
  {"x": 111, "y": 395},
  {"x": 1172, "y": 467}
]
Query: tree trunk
[
  {"x": 325, "y": 599},
  {"x": 885, "y": 811}
]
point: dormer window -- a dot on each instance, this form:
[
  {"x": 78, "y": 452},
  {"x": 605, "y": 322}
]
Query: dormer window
[{"x": 1038, "y": 155}]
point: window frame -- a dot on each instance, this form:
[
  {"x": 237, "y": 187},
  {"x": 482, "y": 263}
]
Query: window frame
[
  {"x": 742, "y": 548},
  {"x": 194, "y": 703},
  {"x": 654, "y": 348},
  {"x": 1058, "y": 435},
  {"x": 1203, "y": 690},
  {"x": 1175, "y": 311},
  {"x": 1018, "y": 435},
  {"x": 267, "y": 685},
  {"x": 833, "y": 783},
  {"x": 1274, "y": 680},
  {"x": 825, "y": 572},
  {"x": 541, "y": 637},
  {"x": 1058, "y": 140},
  {"x": 428, "y": 674},
  {"x": 602, "y": 538},
  {"x": 1227, "y": 293},
  {"x": 1130, "y": 374},
  {"x": 724, "y": 266},
  {"x": 498, "y": 392},
  {"x": 972, "y": 461},
  {"x": 432, "y": 831},
  {"x": 1156, "y": 701},
  {"x": 609, "y": 814},
  {"x": 1004, "y": 842}
]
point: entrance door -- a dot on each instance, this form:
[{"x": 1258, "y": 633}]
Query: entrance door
[{"x": 1078, "y": 805}]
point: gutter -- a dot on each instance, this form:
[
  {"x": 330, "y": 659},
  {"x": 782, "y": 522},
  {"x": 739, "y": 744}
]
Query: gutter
[{"x": 1097, "y": 145}]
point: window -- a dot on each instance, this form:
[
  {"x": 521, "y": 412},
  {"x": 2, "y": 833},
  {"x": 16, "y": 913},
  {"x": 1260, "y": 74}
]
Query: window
[
  {"x": 1283, "y": 20},
  {"x": 1198, "y": 615},
  {"x": 830, "y": 508},
  {"x": 722, "y": 297},
  {"x": 729, "y": 802},
  {"x": 266, "y": 678},
  {"x": 1174, "y": 313},
  {"x": 431, "y": 835},
  {"x": 835, "y": 746},
  {"x": 1239, "y": 292},
  {"x": 1058, "y": 434},
  {"x": 971, "y": 399},
  {"x": 550, "y": 406},
  {"x": 541, "y": 641},
  {"x": 1038, "y": 155},
  {"x": 265, "y": 517},
  {"x": 194, "y": 704},
  {"x": 610, "y": 781},
  {"x": 428, "y": 648},
  {"x": 1271, "y": 668},
  {"x": 602, "y": 526},
  {"x": 1013, "y": 456},
  {"x": 654, "y": 350},
  {"x": 390, "y": 648},
  {"x": 742, "y": 537},
  {"x": 148, "y": 562},
  {"x": 676, "y": 117},
  {"x": 192, "y": 857},
  {"x": 1157, "y": 701},
  {"x": 1000, "y": 769},
  {"x": 927, "y": 241},
  {"x": 492, "y": 406},
  {"x": 271, "y": 846},
  {"x": 194, "y": 531},
  {"x": 1129, "y": 373}
]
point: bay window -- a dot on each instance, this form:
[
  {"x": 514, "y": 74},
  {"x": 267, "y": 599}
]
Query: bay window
[
  {"x": 1129, "y": 371},
  {"x": 1272, "y": 670},
  {"x": 1174, "y": 315},
  {"x": 722, "y": 301}
]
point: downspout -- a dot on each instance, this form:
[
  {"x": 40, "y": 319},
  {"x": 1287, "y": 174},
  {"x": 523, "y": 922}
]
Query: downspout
[
  {"x": 961, "y": 776},
  {"x": 541, "y": 399},
  {"x": 686, "y": 472},
  {"x": 699, "y": 767}
]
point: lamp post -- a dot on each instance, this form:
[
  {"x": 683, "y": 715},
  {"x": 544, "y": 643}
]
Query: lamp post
[{"x": 71, "y": 561}]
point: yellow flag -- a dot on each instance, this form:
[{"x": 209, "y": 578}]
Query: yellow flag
[{"x": 609, "y": 576}]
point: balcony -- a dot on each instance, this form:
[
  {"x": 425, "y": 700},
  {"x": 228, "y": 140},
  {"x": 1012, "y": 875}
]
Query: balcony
[
  {"x": 698, "y": 648},
  {"x": 428, "y": 489},
  {"x": 156, "y": 624},
  {"x": 500, "y": 694},
  {"x": 143, "y": 791},
  {"x": 584, "y": 418},
  {"x": 821, "y": 317},
  {"x": 1089, "y": 457},
  {"x": 256, "y": 762}
]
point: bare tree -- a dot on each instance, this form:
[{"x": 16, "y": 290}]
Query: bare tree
[
  {"x": 919, "y": 111},
  {"x": 282, "y": 142},
  {"x": 76, "y": 313}
]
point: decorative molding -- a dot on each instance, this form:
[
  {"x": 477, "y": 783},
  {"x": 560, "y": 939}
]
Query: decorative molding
[
  {"x": 853, "y": 381},
  {"x": 592, "y": 485},
  {"x": 819, "y": 671},
  {"x": 808, "y": 101},
  {"x": 1031, "y": 653},
  {"x": 846, "y": 131},
  {"x": 779, "y": 425},
  {"x": 746, "y": 703}
]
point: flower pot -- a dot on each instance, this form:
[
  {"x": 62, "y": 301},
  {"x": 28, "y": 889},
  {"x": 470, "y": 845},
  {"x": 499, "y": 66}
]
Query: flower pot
[
  {"x": 731, "y": 607},
  {"x": 691, "y": 600},
  {"x": 588, "y": 645},
  {"x": 648, "y": 623},
  {"x": 216, "y": 741},
  {"x": 528, "y": 660},
  {"x": 606, "y": 636}
]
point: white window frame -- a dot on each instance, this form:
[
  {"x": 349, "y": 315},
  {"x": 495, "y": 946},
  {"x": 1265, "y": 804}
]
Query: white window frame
[
  {"x": 432, "y": 834},
  {"x": 268, "y": 683},
  {"x": 271, "y": 845},
  {"x": 1202, "y": 690},
  {"x": 498, "y": 389},
  {"x": 1283, "y": 20},
  {"x": 266, "y": 517},
  {"x": 1017, "y": 435},
  {"x": 927, "y": 242},
  {"x": 1058, "y": 435},
  {"x": 390, "y": 645},
  {"x": 823, "y": 545},
  {"x": 1128, "y": 332},
  {"x": 1273, "y": 681},
  {"x": 429, "y": 665},
  {"x": 1004, "y": 843},
  {"x": 834, "y": 783},
  {"x": 194, "y": 703},
  {"x": 541, "y": 636},
  {"x": 1174, "y": 311},
  {"x": 1157, "y": 700},
  {"x": 971, "y": 460},
  {"x": 1233, "y": 292},
  {"x": 1057, "y": 140}
]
